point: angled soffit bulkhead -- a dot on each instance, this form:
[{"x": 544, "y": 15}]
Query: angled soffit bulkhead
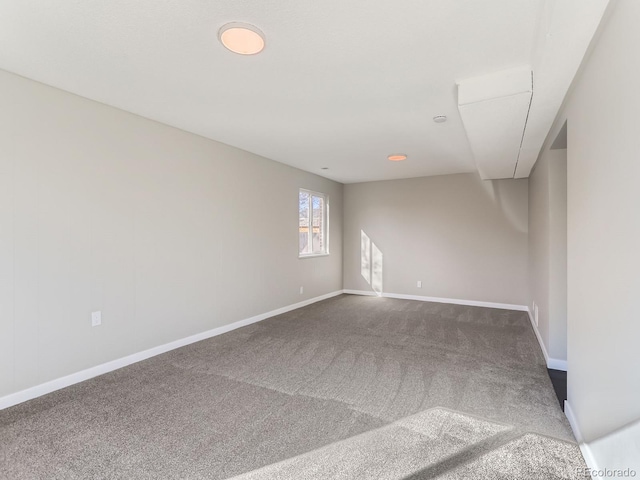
[
  {"x": 494, "y": 111},
  {"x": 508, "y": 114}
]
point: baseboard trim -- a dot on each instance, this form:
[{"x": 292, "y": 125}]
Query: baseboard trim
[
  {"x": 616, "y": 451},
  {"x": 552, "y": 363},
  {"x": 568, "y": 412},
  {"x": 77, "y": 377},
  {"x": 453, "y": 301},
  {"x": 457, "y": 301},
  {"x": 360, "y": 292},
  {"x": 584, "y": 448},
  {"x": 556, "y": 364}
]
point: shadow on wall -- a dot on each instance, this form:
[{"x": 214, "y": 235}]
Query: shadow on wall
[
  {"x": 371, "y": 263},
  {"x": 493, "y": 189}
]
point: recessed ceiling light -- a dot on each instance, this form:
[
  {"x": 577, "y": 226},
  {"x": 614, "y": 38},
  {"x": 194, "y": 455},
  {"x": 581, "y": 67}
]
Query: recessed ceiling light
[
  {"x": 397, "y": 157},
  {"x": 440, "y": 118},
  {"x": 242, "y": 38},
  {"x": 324, "y": 168}
]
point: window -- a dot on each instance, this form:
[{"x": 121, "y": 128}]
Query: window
[{"x": 313, "y": 224}]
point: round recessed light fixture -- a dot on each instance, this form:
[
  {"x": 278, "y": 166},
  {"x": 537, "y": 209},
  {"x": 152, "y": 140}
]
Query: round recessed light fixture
[
  {"x": 242, "y": 38},
  {"x": 440, "y": 118},
  {"x": 397, "y": 157}
]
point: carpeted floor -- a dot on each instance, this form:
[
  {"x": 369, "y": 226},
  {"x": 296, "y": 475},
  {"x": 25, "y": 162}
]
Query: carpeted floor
[{"x": 348, "y": 388}]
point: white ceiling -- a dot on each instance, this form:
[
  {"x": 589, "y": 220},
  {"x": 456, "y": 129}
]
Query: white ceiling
[{"x": 341, "y": 84}]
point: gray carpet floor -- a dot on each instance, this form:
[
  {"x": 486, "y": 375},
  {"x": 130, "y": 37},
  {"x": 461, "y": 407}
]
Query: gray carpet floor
[{"x": 349, "y": 388}]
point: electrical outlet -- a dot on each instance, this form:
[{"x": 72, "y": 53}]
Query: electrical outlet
[
  {"x": 419, "y": 284},
  {"x": 301, "y": 290},
  {"x": 96, "y": 318}
]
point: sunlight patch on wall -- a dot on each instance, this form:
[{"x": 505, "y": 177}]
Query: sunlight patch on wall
[
  {"x": 376, "y": 269},
  {"x": 371, "y": 263},
  {"x": 365, "y": 256}
]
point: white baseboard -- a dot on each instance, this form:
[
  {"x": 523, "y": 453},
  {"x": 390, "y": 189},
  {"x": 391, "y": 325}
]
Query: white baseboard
[
  {"x": 618, "y": 450},
  {"x": 457, "y": 301},
  {"x": 568, "y": 412},
  {"x": 453, "y": 301},
  {"x": 556, "y": 364},
  {"x": 68, "y": 380},
  {"x": 615, "y": 451},
  {"x": 552, "y": 363},
  {"x": 584, "y": 448},
  {"x": 360, "y": 292}
]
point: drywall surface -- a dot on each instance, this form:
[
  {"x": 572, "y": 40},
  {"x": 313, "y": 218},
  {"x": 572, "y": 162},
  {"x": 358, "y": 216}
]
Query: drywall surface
[
  {"x": 166, "y": 233},
  {"x": 462, "y": 237},
  {"x": 548, "y": 249},
  {"x": 558, "y": 255},
  {"x": 604, "y": 230},
  {"x": 539, "y": 247}
]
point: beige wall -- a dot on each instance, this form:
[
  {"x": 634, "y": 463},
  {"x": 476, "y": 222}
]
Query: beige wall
[
  {"x": 604, "y": 229},
  {"x": 167, "y": 233},
  {"x": 464, "y": 238},
  {"x": 558, "y": 256},
  {"x": 548, "y": 250}
]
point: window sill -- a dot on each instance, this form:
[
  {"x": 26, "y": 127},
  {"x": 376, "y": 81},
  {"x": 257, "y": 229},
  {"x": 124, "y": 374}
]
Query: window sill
[{"x": 313, "y": 255}]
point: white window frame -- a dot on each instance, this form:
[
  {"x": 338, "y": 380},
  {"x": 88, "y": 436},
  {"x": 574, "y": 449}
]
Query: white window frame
[{"x": 325, "y": 222}]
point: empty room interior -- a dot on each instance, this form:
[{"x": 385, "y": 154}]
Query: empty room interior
[{"x": 319, "y": 240}]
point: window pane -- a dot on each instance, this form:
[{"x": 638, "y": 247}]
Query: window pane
[
  {"x": 303, "y": 223},
  {"x": 318, "y": 224},
  {"x": 313, "y": 213}
]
